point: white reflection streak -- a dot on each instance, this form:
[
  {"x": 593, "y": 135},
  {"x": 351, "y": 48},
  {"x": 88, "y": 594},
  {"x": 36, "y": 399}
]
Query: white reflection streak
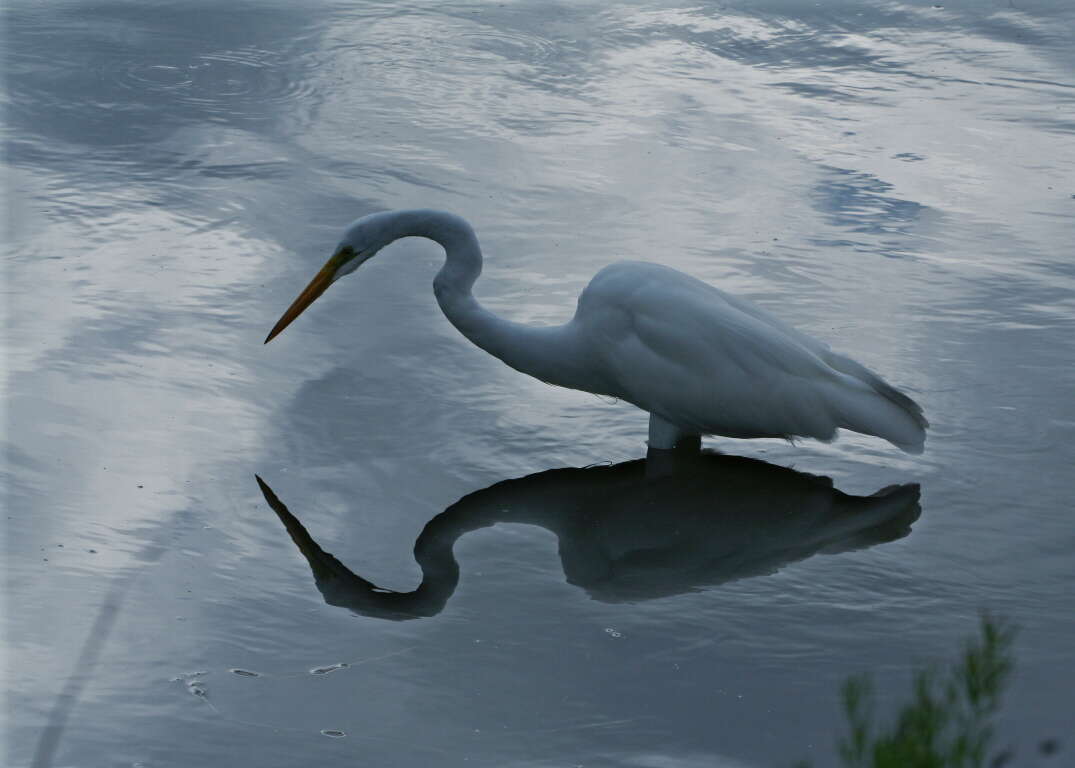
[
  {"x": 88, "y": 658},
  {"x": 584, "y": 726}
]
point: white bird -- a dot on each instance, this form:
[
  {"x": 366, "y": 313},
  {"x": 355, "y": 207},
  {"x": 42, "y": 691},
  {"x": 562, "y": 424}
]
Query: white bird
[{"x": 700, "y": 361}]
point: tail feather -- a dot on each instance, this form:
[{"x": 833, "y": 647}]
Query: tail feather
[
  {"x": 879, "y": 385},
  {"x": 870, "y": 405}
]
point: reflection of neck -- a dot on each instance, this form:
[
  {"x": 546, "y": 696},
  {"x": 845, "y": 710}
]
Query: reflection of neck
[
  {"x": 342, "y": 587},
  {"x": 553, "y": 506},
  {"x": 433, "y": 550}
]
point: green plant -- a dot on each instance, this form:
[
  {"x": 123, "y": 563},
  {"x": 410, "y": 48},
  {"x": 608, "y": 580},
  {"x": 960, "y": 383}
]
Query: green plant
[{"x": 947, "y": 723}]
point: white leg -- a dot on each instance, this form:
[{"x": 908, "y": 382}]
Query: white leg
[{"x": 663, "y": 435}]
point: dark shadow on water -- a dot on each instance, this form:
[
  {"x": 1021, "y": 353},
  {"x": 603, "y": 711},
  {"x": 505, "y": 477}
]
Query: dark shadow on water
[{"x": 628, "y": 533}]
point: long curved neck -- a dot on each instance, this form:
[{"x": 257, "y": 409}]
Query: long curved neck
[
  {"x": 453, "y": 233},
  {"x": 552, "y": 354}
]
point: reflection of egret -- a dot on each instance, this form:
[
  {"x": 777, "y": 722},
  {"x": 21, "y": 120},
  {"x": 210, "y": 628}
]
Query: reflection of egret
[
  {"x": 699, "y": 361},
  {"x": 624, "y": 535}
]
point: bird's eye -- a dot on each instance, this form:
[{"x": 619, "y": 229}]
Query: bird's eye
[{"x": 343, "y": 255}]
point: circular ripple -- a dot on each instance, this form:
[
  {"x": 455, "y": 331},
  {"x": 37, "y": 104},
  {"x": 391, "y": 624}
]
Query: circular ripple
[
  {"x": 418, "y": 42},
  {"x": 221, "y": 81},
  {"x": 161, "y": 77},
  {"x": 524, "y": 49}
]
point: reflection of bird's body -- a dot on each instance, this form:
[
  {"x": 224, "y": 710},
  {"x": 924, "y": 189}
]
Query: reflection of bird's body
[
  {"x": 624, "y": 535},
  {"x": 700, "y": 361}
]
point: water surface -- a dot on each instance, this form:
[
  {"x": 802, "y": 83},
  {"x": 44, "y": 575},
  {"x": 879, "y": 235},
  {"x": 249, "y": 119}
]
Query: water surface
[{"x": 895, "y": 178}]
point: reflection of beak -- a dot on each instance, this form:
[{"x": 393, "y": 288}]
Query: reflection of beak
[
  {"x": 319, "y": 559},
  {"x": 316, "y": 287}
]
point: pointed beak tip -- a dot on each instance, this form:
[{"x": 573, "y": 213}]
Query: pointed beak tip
[{"x": 316, "y": 287}]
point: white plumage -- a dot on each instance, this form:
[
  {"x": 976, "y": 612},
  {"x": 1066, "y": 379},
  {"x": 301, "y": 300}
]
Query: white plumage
[
  {"x": 700, "y": 361},
  {"x": 713, "y": 364}
]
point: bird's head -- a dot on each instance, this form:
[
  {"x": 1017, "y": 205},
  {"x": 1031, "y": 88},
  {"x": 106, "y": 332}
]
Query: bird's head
[{"x": 359, "y": 244}]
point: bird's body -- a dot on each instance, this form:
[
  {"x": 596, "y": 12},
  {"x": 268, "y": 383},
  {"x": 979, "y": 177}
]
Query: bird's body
[{"x": 700, "y": 361}]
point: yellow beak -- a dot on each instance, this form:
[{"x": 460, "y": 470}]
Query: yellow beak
[{"x": 316, "y": 287}]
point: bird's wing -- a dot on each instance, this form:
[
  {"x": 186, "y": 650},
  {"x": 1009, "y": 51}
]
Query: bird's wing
[
  {"x": 681, "y": 348},
  {"x": 834, "y": 360}
]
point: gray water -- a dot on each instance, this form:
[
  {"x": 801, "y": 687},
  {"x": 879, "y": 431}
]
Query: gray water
[{"x": 895, "y": 178}]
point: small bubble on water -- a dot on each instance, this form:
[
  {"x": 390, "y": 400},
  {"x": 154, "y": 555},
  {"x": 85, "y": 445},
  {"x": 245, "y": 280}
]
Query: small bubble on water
[
  {"x": 332, "y": 733},
  {"x": 189, "y": 677}
]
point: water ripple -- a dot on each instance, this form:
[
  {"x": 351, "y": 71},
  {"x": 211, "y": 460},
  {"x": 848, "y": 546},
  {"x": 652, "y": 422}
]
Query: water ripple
[
  {"x": 229, "y": 81},
  {"x": 179, "y": 170}
]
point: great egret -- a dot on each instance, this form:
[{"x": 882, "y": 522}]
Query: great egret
[
  {"x": 700, "y": 361},
  {"x": 623, "y": 535}
]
